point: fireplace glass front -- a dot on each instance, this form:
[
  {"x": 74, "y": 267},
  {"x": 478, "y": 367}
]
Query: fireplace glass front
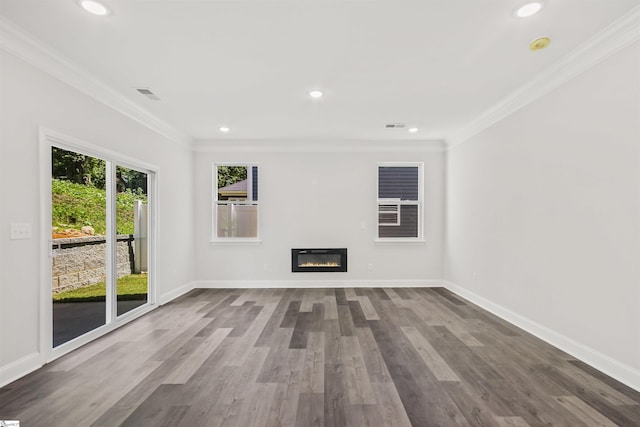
[{"x": 318, "y": 260}]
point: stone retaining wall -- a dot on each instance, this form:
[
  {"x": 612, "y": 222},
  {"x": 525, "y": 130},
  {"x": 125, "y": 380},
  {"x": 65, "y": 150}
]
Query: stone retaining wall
[{"x": 80, "y": 261}]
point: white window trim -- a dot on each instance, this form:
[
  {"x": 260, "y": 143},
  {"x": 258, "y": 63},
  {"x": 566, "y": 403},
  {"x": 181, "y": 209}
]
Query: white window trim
[
  {"x": 215, "y": 240},
  {"x": 420, "y": 203}
]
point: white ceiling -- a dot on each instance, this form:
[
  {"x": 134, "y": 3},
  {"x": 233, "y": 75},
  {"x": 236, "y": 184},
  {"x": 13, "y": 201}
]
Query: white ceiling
[{"x": 433, "y": 64}]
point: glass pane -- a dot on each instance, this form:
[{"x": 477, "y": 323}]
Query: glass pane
[
  {"x": 237, "y": 220},
  {"x": 237, "y": 188},
  {"x": 398, "y": 182},
  {"x": 408, "y": 226},
  {"x": 319, "y": 260},
  {"x": 132, "y": 251},
  {"x": 78, "y": 206},
  {"x": 233, "y": 183}
]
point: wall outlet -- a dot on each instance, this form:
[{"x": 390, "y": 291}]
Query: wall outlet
[
  {"x": 370, "y": 266},
  {"x": 363, "y": 225},
  {"x": 20, "y": 230}
]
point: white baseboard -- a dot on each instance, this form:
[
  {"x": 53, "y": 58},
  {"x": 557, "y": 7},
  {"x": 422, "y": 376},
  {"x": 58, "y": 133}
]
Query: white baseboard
[
  {"x": 618, "y": 370},
  {"x": 19, "y": 368},
  {"x": 171, "y": 295},
  {"x": 268, "y": 284}
]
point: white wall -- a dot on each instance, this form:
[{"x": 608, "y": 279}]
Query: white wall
[
  {"x": 319, "y": 199},
  {"x": 543, "y": 213},
  {"x": 30, "y": 98},
  {"x": 542, "y": 209}
]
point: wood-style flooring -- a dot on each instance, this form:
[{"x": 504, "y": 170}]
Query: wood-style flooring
[{"x": 319, "y": 357}]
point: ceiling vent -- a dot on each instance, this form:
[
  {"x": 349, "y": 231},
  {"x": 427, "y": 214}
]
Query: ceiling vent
[
  {"x": 147, "y": 92},
  {"x": 395, "y": 125}
]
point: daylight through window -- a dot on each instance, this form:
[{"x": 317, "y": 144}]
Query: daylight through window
[{"x": 235, "y": 201}]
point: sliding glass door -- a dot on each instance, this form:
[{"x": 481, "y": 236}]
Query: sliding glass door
[
  {"x": 132, "y": 265},
  {"x": 100, "y": 246},
  {"x": 79, "y": 240}
]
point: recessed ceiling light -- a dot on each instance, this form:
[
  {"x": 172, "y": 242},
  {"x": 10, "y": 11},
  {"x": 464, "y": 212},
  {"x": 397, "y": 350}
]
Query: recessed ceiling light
[
  {"x": 224, "y": 129},
  {"x": 94, "y": 7},
  {"x": 413, "y": 130},
  {"x": 316, "y": 94},
  {"x": 529, "y": 9}
]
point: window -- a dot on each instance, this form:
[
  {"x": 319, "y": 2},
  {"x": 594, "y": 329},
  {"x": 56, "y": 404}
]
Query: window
[
  {"x": 400, "y": 201},
  {"x": 235, "y": 212}
]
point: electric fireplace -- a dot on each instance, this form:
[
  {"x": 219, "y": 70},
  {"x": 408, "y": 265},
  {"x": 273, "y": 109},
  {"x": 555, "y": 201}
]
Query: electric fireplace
[{"x": 318, "y": 260}]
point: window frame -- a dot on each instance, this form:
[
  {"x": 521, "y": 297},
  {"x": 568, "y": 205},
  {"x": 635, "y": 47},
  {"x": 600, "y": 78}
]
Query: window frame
[
  {"x": 395, "y": 201},
  {"x": 215, "y": 202}
]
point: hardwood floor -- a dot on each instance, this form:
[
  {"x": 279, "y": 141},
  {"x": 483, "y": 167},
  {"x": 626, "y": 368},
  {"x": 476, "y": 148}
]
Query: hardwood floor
[{"x": 314, "y": 357}]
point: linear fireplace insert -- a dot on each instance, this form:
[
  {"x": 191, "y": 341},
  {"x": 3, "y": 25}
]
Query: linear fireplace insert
[{"x": 318, "y": 260}]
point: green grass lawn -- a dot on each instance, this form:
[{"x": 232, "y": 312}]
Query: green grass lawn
[{"x": 132, "y": 287}]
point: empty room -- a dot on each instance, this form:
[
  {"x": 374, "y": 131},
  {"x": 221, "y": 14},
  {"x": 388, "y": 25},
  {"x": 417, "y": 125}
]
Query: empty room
[{"x": 319, "y": 213}]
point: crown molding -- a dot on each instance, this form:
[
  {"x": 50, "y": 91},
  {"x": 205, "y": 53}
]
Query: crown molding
[
  {"x": 613, "y": 38},
  {"x": 20, "y": 43},
  {"x": 318, "y": 146}
]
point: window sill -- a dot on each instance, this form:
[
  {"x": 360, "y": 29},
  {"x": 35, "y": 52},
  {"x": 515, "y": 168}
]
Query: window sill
[
  {"x": 409, "y": 241},
  {"x": 238, "y": 241}
]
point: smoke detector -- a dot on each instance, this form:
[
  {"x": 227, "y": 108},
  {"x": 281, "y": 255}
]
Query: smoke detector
[{"x": 540, "y": 43}]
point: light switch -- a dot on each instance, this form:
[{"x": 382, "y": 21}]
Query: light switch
[{"x": 20, "y": 230}]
